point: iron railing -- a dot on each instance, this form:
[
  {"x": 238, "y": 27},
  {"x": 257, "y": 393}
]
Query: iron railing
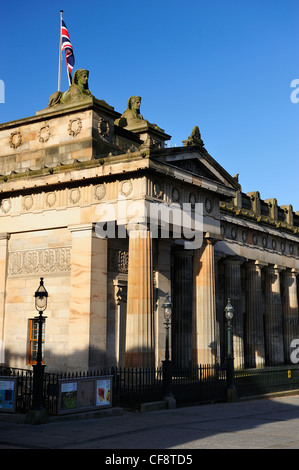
[
  {"x": 269, "y": 380},
  {"x": 132, "y": 387}
]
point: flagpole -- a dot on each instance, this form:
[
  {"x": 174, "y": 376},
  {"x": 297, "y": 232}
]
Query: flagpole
[{"x": 60, "y": 43}]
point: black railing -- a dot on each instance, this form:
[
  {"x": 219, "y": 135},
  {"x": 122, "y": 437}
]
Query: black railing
[
  {"x": 199, "y": 384},
  {"x": 132, "y": 387},
  {"x": 24, "y": 386},
  {"x": 269, "y": 380}
]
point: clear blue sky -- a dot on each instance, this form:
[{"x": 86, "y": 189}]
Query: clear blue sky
[{"x": 224, "y": 65}]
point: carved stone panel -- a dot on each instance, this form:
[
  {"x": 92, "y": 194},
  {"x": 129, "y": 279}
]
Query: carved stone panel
[
  {"x": 118, "y": 260},
  {"x": 40, "y": 261}
]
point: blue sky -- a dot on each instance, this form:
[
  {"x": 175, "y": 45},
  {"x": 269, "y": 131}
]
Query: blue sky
[{"x": 224, "y": 65}]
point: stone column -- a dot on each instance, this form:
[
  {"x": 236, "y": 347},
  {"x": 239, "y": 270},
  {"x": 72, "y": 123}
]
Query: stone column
[
  {"x": 4, "y": 237},
  {"x": 204, "y": 347},
  {"x": 232, "y": 289},
  {"x": 163, "y": 286},
  {"x": 181, "y": 322},
  {"x": 273, "y": 317},
  {"x": 254, "y": 324},
  {"x": 290, "y": 311},
  {"x": 88, "y": 304},
  {"x": 139, "y": 333}
]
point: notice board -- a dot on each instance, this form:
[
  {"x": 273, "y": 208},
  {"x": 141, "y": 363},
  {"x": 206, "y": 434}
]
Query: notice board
[{"x": 83, "y": 394}]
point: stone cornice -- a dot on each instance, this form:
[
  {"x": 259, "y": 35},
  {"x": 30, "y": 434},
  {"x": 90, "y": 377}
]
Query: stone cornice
[
  {"x": 248, "y": 214},
  {"x": 61, "y": 110},
  {"x": 110, "y": 166}
]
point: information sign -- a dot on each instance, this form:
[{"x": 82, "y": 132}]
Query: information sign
[{"x": 7, "y": 395}]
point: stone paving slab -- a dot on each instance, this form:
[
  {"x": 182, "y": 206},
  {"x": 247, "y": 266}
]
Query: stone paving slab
[{"x": 259, "y": 424}]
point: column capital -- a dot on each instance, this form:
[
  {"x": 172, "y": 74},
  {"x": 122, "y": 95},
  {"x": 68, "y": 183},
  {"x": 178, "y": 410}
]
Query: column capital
[
  {"x": 4, "y": 236},
  {"x": 255, "y": 264},
  {"x": 81, "y": 227},
  {"x": 210, "y": 238},
  {"x": 138, "y": 230},
  {"x": 234, "y": 260},
  {"x": 275, "y": 267},
  {"x": 182, "y": 252},
  {"x": 84, "y": 230}
]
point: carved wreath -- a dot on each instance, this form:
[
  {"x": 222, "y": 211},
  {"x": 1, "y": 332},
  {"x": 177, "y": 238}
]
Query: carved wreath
[
  {"x": 44, "y": 134},
  {"x": 15, "y": 139},
  {"x": 103, "y": 128},
  {"x": 75, "y": 126}
]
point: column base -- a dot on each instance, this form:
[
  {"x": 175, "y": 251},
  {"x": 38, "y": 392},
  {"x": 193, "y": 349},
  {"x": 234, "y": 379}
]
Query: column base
[
  {"x": 170, "y": 401},
  {"x": 232, "y": 395},
  {"x": 37, "y": 417}
]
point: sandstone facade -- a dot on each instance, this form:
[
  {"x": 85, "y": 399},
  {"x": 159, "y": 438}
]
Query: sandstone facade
[{"x": 68, "y": 176}]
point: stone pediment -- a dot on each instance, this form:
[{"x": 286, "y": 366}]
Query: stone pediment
[
  {"x": 198, "y": 163},
  {"x": 196, "y": 167}
]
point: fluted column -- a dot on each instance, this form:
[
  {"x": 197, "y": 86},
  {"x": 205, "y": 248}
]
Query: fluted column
[
  {"x": 204, "y": 347},
  {"x": 289, "y": 311},
  {"x": 273, "y": 317},
  {"x": 139, "y": 333},
  {"x": 4, "y": 237},
  {"x": 182, "y": 310},
  {"x": 232, "y": 288},
  {"x": 254, "y": 325}
]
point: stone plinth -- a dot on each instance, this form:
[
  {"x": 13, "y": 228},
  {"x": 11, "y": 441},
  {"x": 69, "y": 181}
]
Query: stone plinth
[
  {"x": 150, "y": 134},
  {"x": 59, "y": 134}
]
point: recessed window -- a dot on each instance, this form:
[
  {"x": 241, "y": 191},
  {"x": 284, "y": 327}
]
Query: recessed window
[{"x": 33, "y": 340}]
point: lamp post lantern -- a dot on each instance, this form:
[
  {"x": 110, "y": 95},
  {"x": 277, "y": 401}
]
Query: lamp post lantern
[
  {"x": 229, "y": 314},
  {"x": 167, "y": 364},
  {"x": 41, "y": 300}
]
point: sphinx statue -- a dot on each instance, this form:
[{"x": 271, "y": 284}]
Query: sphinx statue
[
  {"x": 132, "y": 114},
  {"x": 76, "y": 92}
]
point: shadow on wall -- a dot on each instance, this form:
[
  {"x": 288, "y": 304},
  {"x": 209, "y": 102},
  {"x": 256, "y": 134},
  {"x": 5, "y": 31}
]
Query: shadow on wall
[{"x": 78, "y": 361}]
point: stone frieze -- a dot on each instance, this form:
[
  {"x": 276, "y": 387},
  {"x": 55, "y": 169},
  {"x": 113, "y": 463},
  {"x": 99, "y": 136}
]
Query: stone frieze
[{"x": 39, "y": 261}]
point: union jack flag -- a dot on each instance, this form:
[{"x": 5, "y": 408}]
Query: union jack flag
[{"x": 66, "y": 46}]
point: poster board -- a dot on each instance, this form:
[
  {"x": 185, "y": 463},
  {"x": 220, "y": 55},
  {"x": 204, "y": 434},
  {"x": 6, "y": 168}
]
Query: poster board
[
  {"x": 8, "y": 394},
  {"x": 84, "y": 394}
]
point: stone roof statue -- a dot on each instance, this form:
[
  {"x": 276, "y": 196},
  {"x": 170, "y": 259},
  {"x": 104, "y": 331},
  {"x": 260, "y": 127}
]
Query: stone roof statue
[
  {"x": 132, "y": 114},
  {"x": 76, "y": 92},
  {"x": 194, "y": 139}
]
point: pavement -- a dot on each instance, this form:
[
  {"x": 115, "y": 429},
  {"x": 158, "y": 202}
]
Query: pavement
[{"x": 266, "y": 423}]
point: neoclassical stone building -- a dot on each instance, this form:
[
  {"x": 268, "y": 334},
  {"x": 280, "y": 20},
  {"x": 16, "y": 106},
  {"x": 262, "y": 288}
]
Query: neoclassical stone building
[{"x": 78, "y": 170}]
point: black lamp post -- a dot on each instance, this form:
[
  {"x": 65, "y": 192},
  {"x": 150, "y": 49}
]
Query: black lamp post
[
  {"x": 41, "y": 299},
  {"x": 167, "y": 364},
  {"x": 231, "y": 391},
  {"x": 167, "y": 305}
]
